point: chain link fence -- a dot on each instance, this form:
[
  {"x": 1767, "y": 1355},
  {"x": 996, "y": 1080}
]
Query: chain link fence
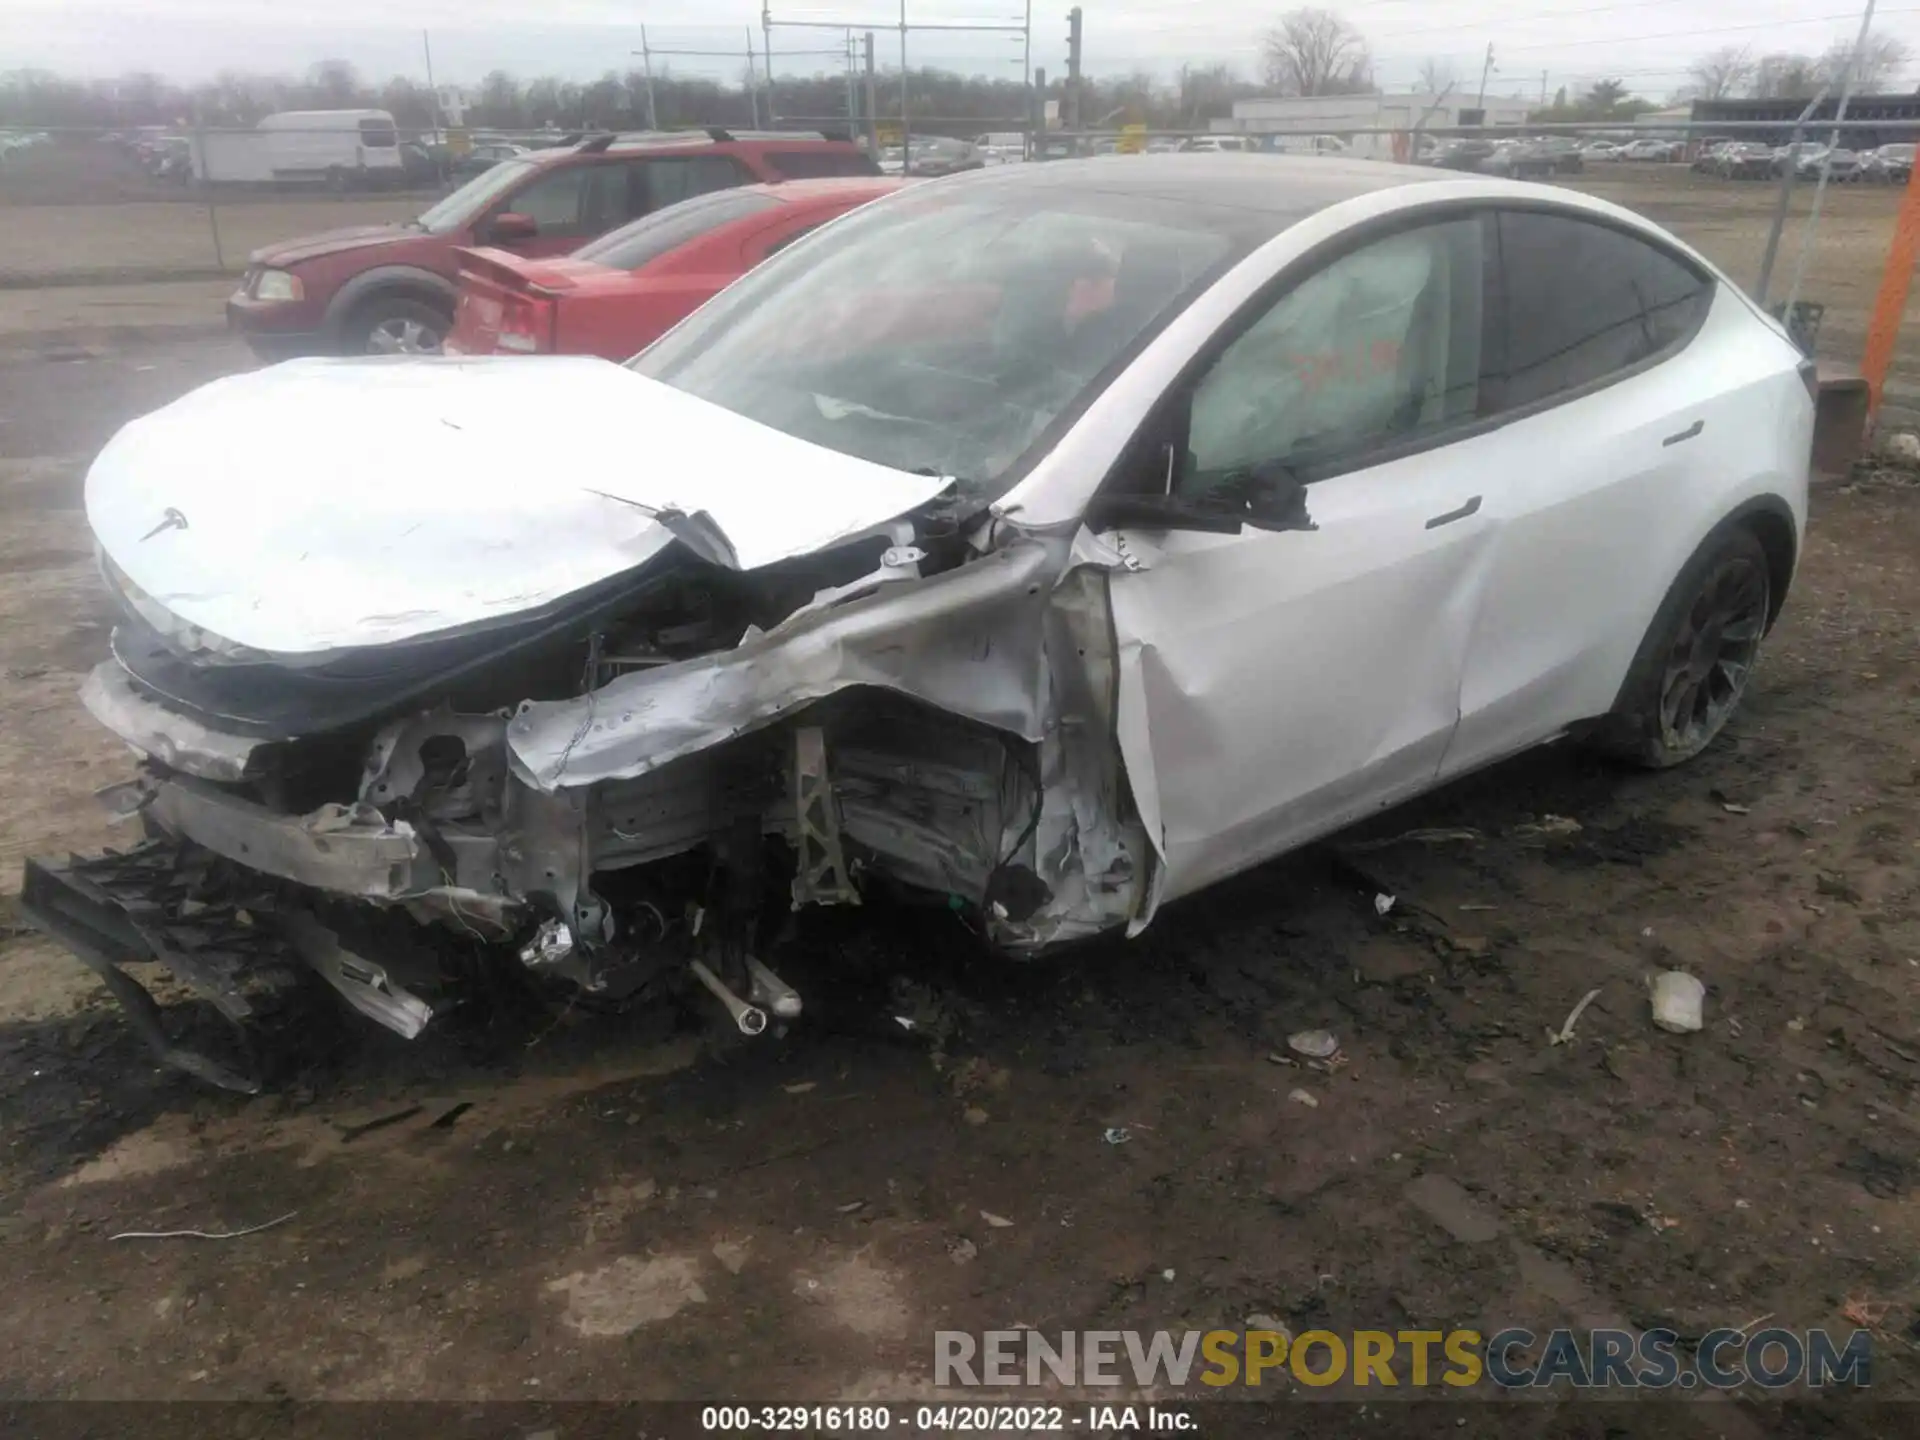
[{"x": 122, "y": 223}]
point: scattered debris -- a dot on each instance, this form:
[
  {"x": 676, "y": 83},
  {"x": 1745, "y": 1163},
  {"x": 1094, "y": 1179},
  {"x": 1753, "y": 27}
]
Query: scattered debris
[
  {"x": 961, "y": 1250},
  {"x": 800, "y": 1089},
  {"x": 1564, "y": 1035},
  {"x": 1677, "y": 1001},
  {"x": 1733, "y": 809},
  {"x": 445, "y": 1120},
  {"x": 1167, "y": 1275},
  {"x": 905, "y": 1022},
  {"x": 1416, "y": 837},
  {"x": 997, "y": 1222},
  {"x": 1303, "y": 1097},
  {"x": 1545, "y": 827},
  {"x": 974, "y": 1115},
  {"x": 1902, "y": 446},
  {"x": 1382, "y": 903},
  {"x": 1314, "y": 1044},
  {"x": 202, "y": 1234},
  {"x": 1117, "y": 1135},
  {"x": 1272, "y": 1325},
  {"x": 367, "y": 1127},
  {"x": 850, "y": 1207},
  {"x": 1796, "y": 1024},
  {"x": 1479, "y": 907},
  {"x": 1865, "y": 1313}
]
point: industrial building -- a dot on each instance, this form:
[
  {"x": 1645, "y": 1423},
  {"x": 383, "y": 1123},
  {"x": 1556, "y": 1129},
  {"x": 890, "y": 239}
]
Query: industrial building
[{"x": 1343, "y": 116}]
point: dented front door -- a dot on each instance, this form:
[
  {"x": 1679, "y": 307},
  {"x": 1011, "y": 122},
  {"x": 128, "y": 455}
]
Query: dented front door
[{"x": 1275, "y": 686}]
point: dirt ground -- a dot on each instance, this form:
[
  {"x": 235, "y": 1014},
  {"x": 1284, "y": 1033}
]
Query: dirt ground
[{"x": 645, "y": 1208}]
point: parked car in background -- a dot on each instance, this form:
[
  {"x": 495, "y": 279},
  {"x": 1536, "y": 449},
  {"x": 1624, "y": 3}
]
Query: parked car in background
[
  {"x": 484, "y": 155},
  {"x": 1219, "y": 144},
  {"x": 1535, "y": 158},
  {"x": 1462, "y": 154},
  {"x": 1661, "y": 151},
  {"x": 1600, "y": 150},
  {"x": 1742, "y": 161},
  {"x": 1839, "y": 162},
  {"x": 1053, "y": 542},
  {"x": 616, "y": 295},
  {"x": 930, "y": 155},
  {"x": 386, "y": 288},
  {"x": 1888, "y": 165}
]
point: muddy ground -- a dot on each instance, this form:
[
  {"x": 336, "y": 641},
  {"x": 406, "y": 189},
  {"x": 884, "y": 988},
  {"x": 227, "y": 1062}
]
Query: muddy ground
[{"x": 643, "y": 1207}]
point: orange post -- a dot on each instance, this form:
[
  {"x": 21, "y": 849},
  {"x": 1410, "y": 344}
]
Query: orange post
[{"x": 1889, "y": 306}]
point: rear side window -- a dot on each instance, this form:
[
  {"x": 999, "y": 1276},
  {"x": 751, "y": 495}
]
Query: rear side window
[
  {"x": 647, "y": 239},
  {"x": 1583, "y": 302},
  {"x": 378, "y": 135},
  {"x": 820, "y": 164},
  {"x": 671, "y": 179}
]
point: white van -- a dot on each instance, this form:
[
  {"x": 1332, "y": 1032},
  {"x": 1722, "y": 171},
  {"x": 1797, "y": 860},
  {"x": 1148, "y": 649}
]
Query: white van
[{"x": 341, "y": 148}]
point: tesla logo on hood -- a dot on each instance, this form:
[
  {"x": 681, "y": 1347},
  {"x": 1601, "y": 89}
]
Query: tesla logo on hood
[{"x": 170, "y": 519}]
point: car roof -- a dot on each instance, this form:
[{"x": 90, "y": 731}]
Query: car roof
[
  {"x": 1228, "y": 180},
  {"x": 827, "y": 187}
]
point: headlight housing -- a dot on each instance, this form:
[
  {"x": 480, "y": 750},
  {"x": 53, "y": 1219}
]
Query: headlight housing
[{"x": 278, "y": 285}]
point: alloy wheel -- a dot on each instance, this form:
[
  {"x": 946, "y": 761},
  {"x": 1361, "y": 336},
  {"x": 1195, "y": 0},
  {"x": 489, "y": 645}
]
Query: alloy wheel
[
  {"x": 1713, "y": 654},
  {"x": 403, "y": 336}
]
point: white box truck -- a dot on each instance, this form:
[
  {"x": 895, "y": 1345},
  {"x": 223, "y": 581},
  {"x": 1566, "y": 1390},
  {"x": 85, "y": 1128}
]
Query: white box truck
[{"x": 340, "y": 148}]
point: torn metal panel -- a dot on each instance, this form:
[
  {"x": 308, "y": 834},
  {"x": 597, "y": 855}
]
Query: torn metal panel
[
  {"x": 967, "y": 641},
  {"x": 347, "y": 851},
  {"x": 820, "y": 875},
  {"x": 365, "y": 983},
  {"x": 437, "y": 507},
  {"x": 177, "y": 740}
]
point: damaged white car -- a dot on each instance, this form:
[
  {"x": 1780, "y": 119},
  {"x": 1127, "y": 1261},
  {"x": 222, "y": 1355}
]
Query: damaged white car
[{"x": 1055, "y": 539}]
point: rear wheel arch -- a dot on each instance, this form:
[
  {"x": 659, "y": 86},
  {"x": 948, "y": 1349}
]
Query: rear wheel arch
[{"x": 1764, "y": 523}]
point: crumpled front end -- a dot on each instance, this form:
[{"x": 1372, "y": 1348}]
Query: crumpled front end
[{"x": 630, "y": 787}]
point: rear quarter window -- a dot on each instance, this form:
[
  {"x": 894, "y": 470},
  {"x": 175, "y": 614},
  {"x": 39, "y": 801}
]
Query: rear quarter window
[
  {"x": 819, "y": 164},
  {"x": 1583, "y": 302},
  {"x": 647, "y": 239}
]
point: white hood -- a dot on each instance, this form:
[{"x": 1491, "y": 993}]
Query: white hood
[{"x": 325, "y": 504}]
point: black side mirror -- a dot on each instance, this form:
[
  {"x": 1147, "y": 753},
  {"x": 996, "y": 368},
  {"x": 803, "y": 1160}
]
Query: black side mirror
[{"x": 1158, "y": 512}]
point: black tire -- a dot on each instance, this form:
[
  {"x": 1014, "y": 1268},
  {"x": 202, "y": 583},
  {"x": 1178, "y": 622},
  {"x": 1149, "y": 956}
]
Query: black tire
[
  {"x": 411, "y": 327},
  {"x": 1693, "y": 666}
]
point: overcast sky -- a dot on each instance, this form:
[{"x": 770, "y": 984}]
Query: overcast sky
[{"x": 1647, "y": 42}]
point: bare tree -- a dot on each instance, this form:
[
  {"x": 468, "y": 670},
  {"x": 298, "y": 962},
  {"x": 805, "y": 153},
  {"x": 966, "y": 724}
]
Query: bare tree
[
  {"x": 1881, "y": 61},
  {"x": 1435, "y": 76},
  {"x": 1315, "y": 52},
  {"x": 1785, "y": 77},
  {"x": 1718, "y": 73}
]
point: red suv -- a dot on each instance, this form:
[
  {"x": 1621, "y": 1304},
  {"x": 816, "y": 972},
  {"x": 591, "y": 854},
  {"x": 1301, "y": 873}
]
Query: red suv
[{"x": 390, "y": 289}]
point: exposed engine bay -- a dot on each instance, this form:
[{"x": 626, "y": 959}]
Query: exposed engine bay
[{"x": 633, "y": 785}]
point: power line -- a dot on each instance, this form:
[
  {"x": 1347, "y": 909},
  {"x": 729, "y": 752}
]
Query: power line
[{"x": 1689, "y": 34}]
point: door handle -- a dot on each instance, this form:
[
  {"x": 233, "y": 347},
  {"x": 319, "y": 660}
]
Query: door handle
[
  {"x": 1472, "y": 507},
  {"x": 1686, "y": 434}
]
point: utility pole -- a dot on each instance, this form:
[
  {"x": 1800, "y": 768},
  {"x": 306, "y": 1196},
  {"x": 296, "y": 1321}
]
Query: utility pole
[
  {"x": 873, "y": 105},
  {"x": 1485, "y": 70},
  {"x": 646, "y": 69},
  {"x": 1038, "y": 119},
  {"x": 1026, "y": 74},
  {"x": 753, "y": 82},
  {"x": 433, "y": 95},
  {"x": 1543, "y": 89},
  {"x": 906, "y": 126},
  {"x": 1073, "y": 72}
]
